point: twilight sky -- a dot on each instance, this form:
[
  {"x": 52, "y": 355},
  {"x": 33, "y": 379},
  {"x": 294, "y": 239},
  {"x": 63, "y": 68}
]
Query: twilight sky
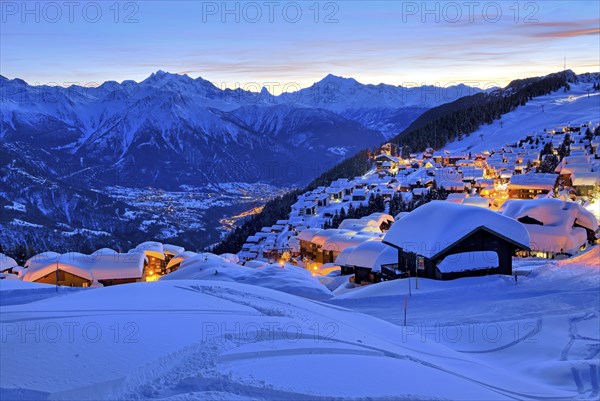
[{"x": 288, "y": 42}]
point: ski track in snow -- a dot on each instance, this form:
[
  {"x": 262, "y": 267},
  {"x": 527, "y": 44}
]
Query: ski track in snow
[{"x": 201, "y": 383}]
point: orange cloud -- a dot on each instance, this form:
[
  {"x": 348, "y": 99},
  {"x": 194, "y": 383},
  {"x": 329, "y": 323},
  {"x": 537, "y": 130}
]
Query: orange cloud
[{"x": 568, "y": 34}]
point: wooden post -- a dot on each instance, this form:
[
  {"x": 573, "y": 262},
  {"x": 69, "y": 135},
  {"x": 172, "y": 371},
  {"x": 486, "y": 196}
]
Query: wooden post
[
  {"x": 417, "y": 273},
  {"x": 57, "y": 276},
  {"x": 399, "y": 258}
]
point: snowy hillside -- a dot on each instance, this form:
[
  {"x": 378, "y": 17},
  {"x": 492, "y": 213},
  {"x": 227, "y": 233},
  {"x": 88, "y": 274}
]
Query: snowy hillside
[
  {"x": 544, "y": 327},
  {"x": 552, "y": 111},
  {"x": 215, "y": 340}
]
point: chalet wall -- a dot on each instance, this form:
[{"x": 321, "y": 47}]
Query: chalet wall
[
  {"x": 110, "y": 282},
  {"x": 64, "y": 279}
]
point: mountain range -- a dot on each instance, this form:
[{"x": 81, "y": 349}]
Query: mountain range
[
  {"x": 68, "y": 153},
  {"x": 170, "y": 129}
]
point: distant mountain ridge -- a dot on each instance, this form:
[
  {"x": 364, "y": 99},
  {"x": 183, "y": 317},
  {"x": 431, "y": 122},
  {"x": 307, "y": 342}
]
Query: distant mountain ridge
[
  {"x": 63, "y": 151},
  {"x": 170, "y": 122}
]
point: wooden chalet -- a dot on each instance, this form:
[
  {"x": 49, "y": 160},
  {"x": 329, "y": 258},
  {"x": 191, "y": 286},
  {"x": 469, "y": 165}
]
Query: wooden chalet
[{"x": 446, "y": 241}]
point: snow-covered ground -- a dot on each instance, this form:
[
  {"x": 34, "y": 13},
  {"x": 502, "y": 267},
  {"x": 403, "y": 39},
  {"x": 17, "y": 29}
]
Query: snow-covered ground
[
  {"x": 559, "y": 109},
  {"x": 485, "y": 338},
  {"x": 544, "y": 326}
]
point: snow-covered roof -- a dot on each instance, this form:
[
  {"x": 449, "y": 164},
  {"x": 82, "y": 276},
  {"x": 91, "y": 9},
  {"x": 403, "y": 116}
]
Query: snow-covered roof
[
  {"x": 365, "y": 254},
  {"x": 384, "y": 156},
  {"x": 550, "y": 211},
  {"x": 556, "y": 233},
  {"x": 484, "y": 182},
  {"x": 579, "y": 152},
  {"x": 339, "y": 183},
  {"x": 437, "y": 225},
  {"x": 472, "y": 173},
  {"x": 6, "y": 262},
  {"x": 294, "y": 244},
  {"x": 360, "y": 192},
  {"x": 401, "y": 215},
  {"x": 342, "y": 258},
  {"x": 581, "y": 159},
  {"x": 105, "y": 251},
  {"x": 323, "y": 235},
  {"x": 477, "y": 201},
  {"x": 150, "y": 248},
  {"x": 305, "y": 204},
  {"x": 90, "y": 267},
  {"x": 379, "y": 217},
  {"x": 357, "y": 224},
  {"x": 388, "y": 256},
  {"x": 308, "y": 234},
  {"x": 18, "y": 270},
  {"x": 8, "y": 276},
  {"x": 419, "y": 176},
  {"x": 447, "y": 174},
  {"x": 457, "y": 197},
  {"x": 122, "y": 266},
  {"x": 296, "y": 220},
  {"x": 420, "y": 191},
  {"x": 370, "y": 229},
  {"x": 575, "y": 168},
  {"x": 459, "y": 262},
  {"x": 339, "y": 242},
  {"x": 578, "y": 179},
  {"x": 170, "y": 249},
  {"x": 175, "y": 260},
  {"x": 253, "y": 239},
  {"x": 544, "y": 181},
  {"x": 44, "y": 256}
]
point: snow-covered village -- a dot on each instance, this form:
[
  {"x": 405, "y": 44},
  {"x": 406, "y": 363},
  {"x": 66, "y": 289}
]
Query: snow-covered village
[{"x": 436, "y": 242}]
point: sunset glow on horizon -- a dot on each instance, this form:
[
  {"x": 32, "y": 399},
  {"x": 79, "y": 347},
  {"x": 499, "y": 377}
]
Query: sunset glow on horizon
[{"x": 235, "y": 43}]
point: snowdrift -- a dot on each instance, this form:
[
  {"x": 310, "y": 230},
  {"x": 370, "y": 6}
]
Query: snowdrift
[
  {"x": 187, "y": 338},
  {"x": 291, "y": 279}
]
